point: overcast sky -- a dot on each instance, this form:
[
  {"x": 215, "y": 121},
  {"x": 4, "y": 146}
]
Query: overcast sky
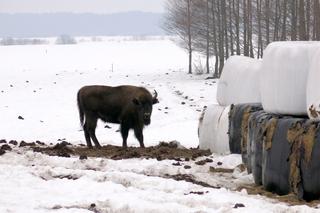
[{"x": 80, "y": 6}]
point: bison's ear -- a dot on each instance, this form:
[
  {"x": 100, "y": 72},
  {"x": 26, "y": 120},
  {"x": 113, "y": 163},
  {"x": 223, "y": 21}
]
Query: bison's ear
[{"x": 136, "y": 101}]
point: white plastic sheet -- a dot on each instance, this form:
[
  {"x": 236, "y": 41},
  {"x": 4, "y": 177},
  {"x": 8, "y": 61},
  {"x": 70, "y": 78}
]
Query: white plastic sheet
[
  {"x": 283, "y": 77},
  {"x": 213, "y": 129},
  {"x": 239, "y": 81}
]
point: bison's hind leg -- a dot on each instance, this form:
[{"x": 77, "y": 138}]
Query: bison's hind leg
[
  {"x": 90, "y": 129},
  {"x": 87, "y": 136}
]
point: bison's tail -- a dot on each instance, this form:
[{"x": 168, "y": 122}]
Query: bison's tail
[{"x": 81, "y": 113}]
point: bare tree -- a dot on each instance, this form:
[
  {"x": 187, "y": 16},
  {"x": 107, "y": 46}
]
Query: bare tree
[
  {"x": 302, "y": 21},
  {"x": 284, "y": 21},
  {"x": 231, "y": 34},
  {"x": 215, "y": 38},
  {"x": 207, "y": 37},
  {"x": 221, "y": 28},
  {"x": 294, "y": 22},
  {"x": 316, "y": 18},
  {"x": 178, "y": 21},
  {"x": 259, "y": 20}
]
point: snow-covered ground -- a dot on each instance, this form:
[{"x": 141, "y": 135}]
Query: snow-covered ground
[{"x": 39, "y": 84}]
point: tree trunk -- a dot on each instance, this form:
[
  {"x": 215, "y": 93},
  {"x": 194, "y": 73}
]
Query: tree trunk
[
  {"x": 237, "y": 17},
  {"x": 231, "y": 28},
  {"x": 225, "y": 28},
  {"x": 302, "y": 22},
  {"x": 245, "y": 28},
  {"x": 308, "y": 19},
  {"x": 207, "y": 38},
  {"x": 316, "y": 20},
  {"x": 284, "y": 21},
  {"x": 293, "y": 20},
  {"x": 220, "y": 37},
  {"x": 267, "y": 20},
  {"x": 277, "y": 21},
  {"x": 260, "y": 43},
  {"x": 189, "y": 35},
  {"x": 215, "y": 45},
  {"x": 250, "y": 28}
]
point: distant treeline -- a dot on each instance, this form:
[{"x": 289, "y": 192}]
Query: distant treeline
[
  {"x": 62, "y": 39},
  {"x": 22, "y": 41},
  {"x": 222, "y": 28}
]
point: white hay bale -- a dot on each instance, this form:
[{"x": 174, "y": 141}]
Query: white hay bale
[
  {"x": 283, "y": 77},
  {"x": 239, "y": 81},
  {"x": 313, "y": 88},
  {"x": 221, "y": 145},
  {"x": 213, "y": 129}
]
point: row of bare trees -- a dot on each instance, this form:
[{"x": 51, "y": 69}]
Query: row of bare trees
[{"x": 220, "y": 28}]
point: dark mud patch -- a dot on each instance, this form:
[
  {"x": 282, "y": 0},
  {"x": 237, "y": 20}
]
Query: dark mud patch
[
  {"x": 189, "y": 178},
  {"x": 163, "y": 151}
]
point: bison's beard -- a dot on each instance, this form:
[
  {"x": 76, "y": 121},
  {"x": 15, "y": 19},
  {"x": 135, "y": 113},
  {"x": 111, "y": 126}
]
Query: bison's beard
[{"x": 146, "y": 121}]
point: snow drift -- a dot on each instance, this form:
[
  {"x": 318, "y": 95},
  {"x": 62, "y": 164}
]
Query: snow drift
[{"x": 239, "y": 81}]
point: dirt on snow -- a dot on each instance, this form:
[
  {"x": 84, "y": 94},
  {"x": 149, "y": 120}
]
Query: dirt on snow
[{"x": 163, "y": 151}]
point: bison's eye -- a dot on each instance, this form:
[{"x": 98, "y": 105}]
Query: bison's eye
[{"x": 136, "y": 101}]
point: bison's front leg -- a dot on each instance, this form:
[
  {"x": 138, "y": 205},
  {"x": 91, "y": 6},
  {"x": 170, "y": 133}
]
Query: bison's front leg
[
  {"x": 124, "y": 133},
  {"x": 139, "y": 135}
]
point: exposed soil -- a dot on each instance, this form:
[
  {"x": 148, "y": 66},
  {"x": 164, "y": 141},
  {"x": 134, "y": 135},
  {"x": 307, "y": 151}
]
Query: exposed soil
[{"x": 160, "y": 152}]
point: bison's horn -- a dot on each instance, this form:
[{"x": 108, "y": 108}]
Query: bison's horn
[
  {"x": 155, "y": 94},
  {"x": 154, "y": 98}
]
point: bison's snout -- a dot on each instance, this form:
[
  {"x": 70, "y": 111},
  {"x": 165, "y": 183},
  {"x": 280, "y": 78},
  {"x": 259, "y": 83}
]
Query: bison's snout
[{"x": 146, "y": 118}]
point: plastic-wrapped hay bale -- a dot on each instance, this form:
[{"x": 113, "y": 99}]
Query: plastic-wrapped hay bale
[
  {"x": 239, "y": 81},
  {"x": 283, "y": 77},
  {"x": 278, "y": 163},
  {"x": 304, "y": 159},
  {"x": 221, "y": 145},
  {"x": 310, "y": 163},
  {"x": 213, "y": 129},
  {"x": 208, "y": 126},
  {"x": 257, "y": 128},
  {"x": 313, "y": 88},
  {"x": 238, "y": 126}
]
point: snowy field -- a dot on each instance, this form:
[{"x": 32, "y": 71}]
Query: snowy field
[{"x": 38, "y": 86}]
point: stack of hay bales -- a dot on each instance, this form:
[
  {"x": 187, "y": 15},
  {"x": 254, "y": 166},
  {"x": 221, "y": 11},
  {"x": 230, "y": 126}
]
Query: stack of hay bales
[
  {"x": 282, "y": 140},
  {"x": 279, "y": 139},
  {"x": 235, "y": 86}
]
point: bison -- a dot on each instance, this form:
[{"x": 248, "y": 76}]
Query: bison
[{"x": 127, "y": 105}]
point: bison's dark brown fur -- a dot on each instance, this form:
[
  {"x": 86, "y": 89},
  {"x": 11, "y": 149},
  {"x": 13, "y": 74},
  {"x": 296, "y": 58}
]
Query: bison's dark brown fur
[{"x": 129, "y": 106}]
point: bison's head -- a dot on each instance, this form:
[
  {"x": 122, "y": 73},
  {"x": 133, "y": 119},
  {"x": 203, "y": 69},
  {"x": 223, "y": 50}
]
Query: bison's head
[
  {"x": 144, "y": 110},
  {"x": 144, "y": 105}
]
